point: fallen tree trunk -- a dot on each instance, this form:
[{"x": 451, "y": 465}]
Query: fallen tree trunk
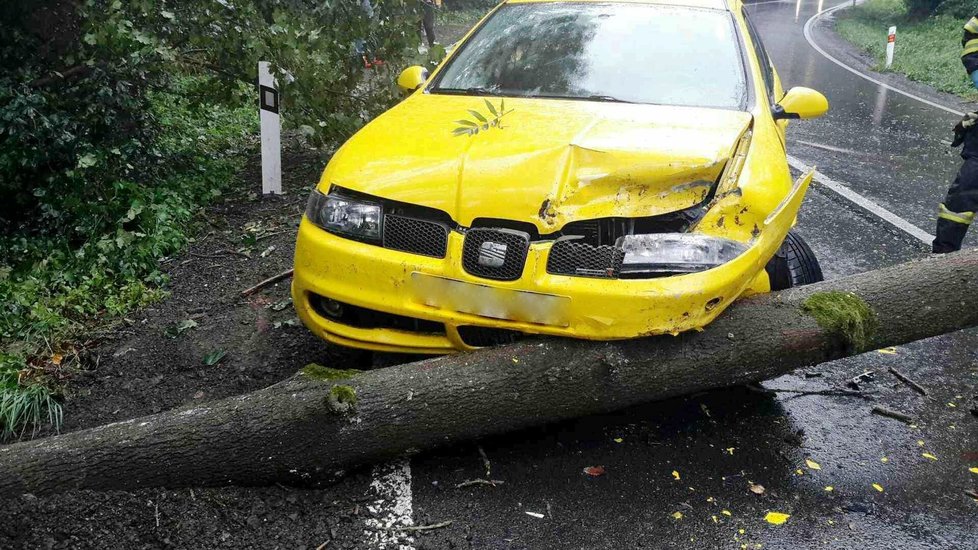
[{"x": 324, "y": 420}]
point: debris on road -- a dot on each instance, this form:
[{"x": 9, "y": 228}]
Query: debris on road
[
  {"x": 878, "y": 487},
  {"x": 535, "y": 514},
  {"x": 473, "y": 482},
  {"x": 776, "y": 518},
  {"x": 906, "y": 380},
  {"x": 864, "y": 377},
  {"x": 269, "y": 281},
  {"x": 757, "y": 488},
  {"x": 422, "y": 527},
  {"x": 812, "y": 464},
  {"x": 889, "y": 413},
  {"x": 594, "y": 471}
]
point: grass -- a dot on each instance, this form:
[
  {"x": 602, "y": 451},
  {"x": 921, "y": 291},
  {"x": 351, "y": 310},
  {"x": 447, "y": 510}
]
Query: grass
[
  {"x": 927, "y": 51},
  {"x": 53, "y": 292}
]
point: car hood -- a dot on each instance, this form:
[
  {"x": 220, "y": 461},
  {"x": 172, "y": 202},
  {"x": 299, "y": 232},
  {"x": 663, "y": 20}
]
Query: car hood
[{"x": 546, "y": 162}]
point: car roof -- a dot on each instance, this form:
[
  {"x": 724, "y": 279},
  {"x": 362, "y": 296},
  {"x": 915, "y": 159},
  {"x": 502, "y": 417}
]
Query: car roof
[{"x": 714, "y": 4}]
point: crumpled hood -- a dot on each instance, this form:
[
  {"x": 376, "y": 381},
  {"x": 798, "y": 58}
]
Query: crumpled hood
[{"x": 548, "y": 162}]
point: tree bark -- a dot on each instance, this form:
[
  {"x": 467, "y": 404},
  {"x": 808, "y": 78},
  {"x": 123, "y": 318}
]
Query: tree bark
[{"x": 295, "y": 432}]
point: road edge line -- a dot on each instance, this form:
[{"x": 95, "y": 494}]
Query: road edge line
[
  {"x": 847, "y": 193},
  {"x": 811, "y": 42}
]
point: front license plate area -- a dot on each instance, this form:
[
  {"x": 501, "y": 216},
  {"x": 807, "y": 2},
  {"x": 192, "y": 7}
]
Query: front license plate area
[{"x": 491, "y": 302}]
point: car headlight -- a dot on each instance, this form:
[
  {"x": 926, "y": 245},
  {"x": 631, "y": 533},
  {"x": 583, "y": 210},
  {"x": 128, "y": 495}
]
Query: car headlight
[
  {"x": 676, "y": 252},
  {"x": 355, "y": 218}
]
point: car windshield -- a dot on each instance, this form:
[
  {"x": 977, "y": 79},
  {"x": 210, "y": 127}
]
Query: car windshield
[{"x": 636, "y": 53}]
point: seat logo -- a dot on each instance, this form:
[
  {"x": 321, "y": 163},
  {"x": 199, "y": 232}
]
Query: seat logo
[{"x": 492, "y": 254}]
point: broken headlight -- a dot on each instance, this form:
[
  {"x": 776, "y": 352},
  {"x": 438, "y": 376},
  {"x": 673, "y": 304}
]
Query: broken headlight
[
  {"x": 350, "y": 217},
  {"x": 676, "y": 253}
]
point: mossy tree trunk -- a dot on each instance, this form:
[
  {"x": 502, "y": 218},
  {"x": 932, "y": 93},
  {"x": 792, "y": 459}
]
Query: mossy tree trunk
[{"x": 324, "y": 420}]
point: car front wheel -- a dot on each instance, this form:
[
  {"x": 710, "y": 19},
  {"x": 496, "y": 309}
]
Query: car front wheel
[{"x": 794, "y": 264}]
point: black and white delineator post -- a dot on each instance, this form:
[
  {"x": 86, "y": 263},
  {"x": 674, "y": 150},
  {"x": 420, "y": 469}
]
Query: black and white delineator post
[
  {"x": 271, "y": 129},
  {"x": 890, "y": 44}
]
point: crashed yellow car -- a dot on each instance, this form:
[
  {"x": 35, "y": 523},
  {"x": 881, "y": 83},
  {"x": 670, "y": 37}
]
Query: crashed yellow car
[{"x": 598, "y": 170}]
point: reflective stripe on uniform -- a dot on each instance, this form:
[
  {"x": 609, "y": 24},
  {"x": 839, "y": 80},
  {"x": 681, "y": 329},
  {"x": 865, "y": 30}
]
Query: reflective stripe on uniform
[
  {"x": 960, "y": 217},
  {"x": 970, "y": 47},
  {"x": 972, "y": 25}
]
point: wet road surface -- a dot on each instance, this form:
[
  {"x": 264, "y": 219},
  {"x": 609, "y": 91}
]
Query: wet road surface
[{"x": 890, "y": 149}]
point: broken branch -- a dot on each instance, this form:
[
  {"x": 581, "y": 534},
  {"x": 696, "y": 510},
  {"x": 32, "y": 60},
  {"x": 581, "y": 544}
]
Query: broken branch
[
  {"x": 890, "y": 413},
  {"x": 269, "y": 281},
  {"x": 906, "y": 380}
]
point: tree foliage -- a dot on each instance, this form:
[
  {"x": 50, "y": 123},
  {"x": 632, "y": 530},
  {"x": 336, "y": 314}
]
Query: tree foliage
[{"x": 120, "y": 118}]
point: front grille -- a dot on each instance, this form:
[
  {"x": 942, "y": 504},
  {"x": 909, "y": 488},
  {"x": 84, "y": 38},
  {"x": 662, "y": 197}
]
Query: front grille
[
  {"x": 480, "y": 337},
  {"x": 361, "y": 317},
  {"x": 416, "y": 236},
  {"x": 571, "y": 257},
  {"x": 495, "y": 253}
]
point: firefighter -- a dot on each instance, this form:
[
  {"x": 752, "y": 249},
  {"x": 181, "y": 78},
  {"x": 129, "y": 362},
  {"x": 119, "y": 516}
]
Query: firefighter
[{"x": 956, "y": 213}]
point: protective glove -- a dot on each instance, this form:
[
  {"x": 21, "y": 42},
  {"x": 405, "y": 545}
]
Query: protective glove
[{"x": 963, "y": 127}]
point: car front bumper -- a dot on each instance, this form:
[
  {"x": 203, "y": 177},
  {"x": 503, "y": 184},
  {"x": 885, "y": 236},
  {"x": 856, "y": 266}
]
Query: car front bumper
[{"x": 441, "y": 291}]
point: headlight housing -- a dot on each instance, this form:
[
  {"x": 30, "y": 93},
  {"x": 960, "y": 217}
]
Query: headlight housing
[
  {"x": 676, "y": 253},
  {"x": 351, "y": 217}
]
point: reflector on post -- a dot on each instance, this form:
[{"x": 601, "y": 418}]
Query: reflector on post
[
  {"x": 271, "y": 145},
  {"x": 890, "y": 44}
]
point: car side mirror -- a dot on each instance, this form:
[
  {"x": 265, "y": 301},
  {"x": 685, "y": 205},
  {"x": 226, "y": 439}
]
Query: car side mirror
[
  {"x": 800, "y": 102},
  {"x": 411, "y": 79}
]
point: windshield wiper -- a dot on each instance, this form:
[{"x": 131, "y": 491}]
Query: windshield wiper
[
  {"x": 607, "y": 98},
  {"x": 476, "y": 90}
]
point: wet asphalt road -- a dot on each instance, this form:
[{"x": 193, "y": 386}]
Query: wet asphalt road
[{"x": 721, "y": 442}]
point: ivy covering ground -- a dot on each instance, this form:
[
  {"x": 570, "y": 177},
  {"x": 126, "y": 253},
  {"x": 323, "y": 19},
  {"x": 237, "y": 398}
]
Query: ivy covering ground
[{"x": 120, "y": 120}]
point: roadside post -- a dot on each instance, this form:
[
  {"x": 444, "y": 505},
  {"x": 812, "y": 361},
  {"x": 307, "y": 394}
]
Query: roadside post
[
  {"x": 890, "y": 43},
  {"x": 271, "y": 129}
]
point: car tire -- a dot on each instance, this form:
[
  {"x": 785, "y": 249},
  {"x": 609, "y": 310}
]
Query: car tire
[{"x": 794, "y": 264}]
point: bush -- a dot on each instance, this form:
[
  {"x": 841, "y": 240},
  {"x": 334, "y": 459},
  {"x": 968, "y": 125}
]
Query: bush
[
  {"x": 120, "y": 119},
  {"x": 959, "y": 8}
]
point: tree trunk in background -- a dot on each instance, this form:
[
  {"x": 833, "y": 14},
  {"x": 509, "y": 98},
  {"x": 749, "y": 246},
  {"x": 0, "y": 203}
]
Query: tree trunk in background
[{"x": 297, "y": 430}]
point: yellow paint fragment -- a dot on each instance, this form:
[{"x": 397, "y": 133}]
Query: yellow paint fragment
[
  {"x": 888, "y": 351},
  {"x": 884, "y": 460},
  {"x": 618, "y": 440},
  {"x": 677, "y": 515},
  {"x": 920, "y": 442},
  {"x": 829, "y": 488},
  {"x": 812, "y": 464},
  {"x": 715, "y": 519},
  {"x": 928, "y": 455},
  {"x": 515, "y": 360},
  {"x": 952, "y": 405},
  {"x": 831, "y": 522},
  {"x": 878, "y": 487},
  {"x": 800, "y": 472},
  {"x": 973, "y": 470},
  {"x": 726, "y": 512},
  {"x": 675, "y": 475},
  {"x": 709, "y": 499},
  {"x": 741, "y": 531},
  {"x": 776, "y": 518}
]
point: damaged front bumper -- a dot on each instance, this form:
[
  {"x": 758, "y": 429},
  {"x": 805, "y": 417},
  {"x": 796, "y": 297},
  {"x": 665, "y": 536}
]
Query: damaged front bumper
[{"x": 360, "y": 295}]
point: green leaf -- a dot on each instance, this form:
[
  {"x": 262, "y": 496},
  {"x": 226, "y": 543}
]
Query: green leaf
[
  {"x": 461, "y": 131},
  {"x": 478, "y": 116},
  {"x": 491, "y": 108},
  {"x": 466, "y": 123},
  {"x": 183, "y": 326},
  {"x": 214, "y": 357},
  {"x": 87, "y": 160}
]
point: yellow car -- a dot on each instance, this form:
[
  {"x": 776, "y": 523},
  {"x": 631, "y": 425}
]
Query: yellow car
[{"x": 598, "y": 170}]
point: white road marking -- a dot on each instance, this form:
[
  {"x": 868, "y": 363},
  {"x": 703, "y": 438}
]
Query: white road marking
[
  {"x": 811, "y": 42},
  {"x": 847, "y": 193},
  {"x": 828, "y": 147},
  {"x": 747, "y": 5},
  {"x": 393, "y": 506}
]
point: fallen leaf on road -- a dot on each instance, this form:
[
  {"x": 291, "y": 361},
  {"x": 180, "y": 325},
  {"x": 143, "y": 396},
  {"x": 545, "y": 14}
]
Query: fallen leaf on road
[
  {"x": 884, "y": 460},
  {"x": 214, "y": 357},
  {"x": 757, "y": 488},
  {"x": 675, "y": 475},
  {"x": 677, "y": 515},
  {"x": 829, "y": 488},
  {"x": 731, "y": 450},
  {"x": 878, "y": 487},
  {"x": 726, "y": 512},
  {"x": 973, "y": 470},
  {"x": 776, "y": 518},
  {"x": 618, "y": 440},
  {"x": 928, "y": 455},
  {"x": 812, "y": 464},
  {"x": 888, "y": 351},
  {"x": 535, "y": 514},
  {"x": 594, "y": 471}
]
